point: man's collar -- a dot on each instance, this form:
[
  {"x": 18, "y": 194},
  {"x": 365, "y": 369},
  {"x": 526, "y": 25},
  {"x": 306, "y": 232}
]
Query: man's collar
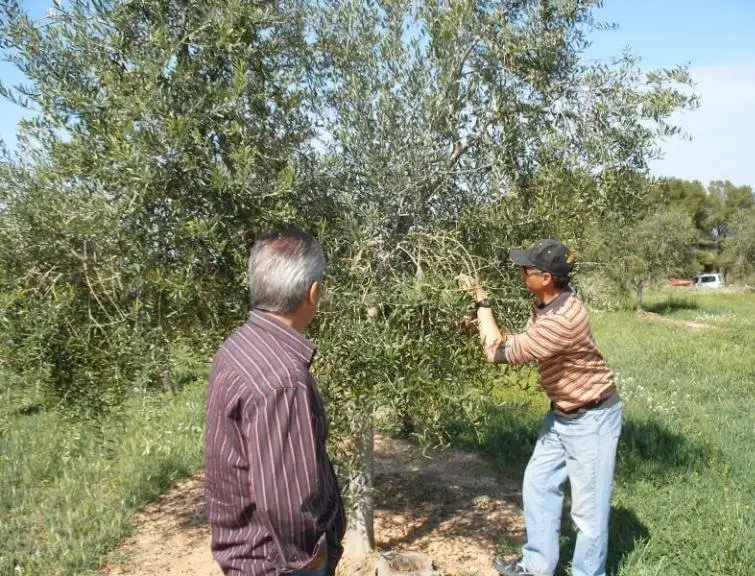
[
  {"x": 541, "y": 308},
  {"x": 295, "y": 341}
]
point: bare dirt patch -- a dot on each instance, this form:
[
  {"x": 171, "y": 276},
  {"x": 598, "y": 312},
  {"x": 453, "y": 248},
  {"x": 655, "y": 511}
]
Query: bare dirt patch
[
  {"x": 446, "y": 504},
  {"x": 170, "y": 537}
]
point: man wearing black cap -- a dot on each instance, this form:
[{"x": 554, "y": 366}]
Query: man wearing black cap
[{"x": 578, "y": 438}]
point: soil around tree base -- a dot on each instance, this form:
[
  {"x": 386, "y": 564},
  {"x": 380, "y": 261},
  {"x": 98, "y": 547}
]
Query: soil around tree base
[{"x": 447, "y": 504}]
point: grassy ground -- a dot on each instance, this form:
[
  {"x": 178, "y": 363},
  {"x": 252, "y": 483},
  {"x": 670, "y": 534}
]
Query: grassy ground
[
  {"x": 67, "y": 489},
  {"x": 683, "y": 502}
]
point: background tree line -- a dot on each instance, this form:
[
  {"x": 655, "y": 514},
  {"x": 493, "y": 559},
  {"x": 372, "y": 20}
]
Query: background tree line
[
  {"x": 682, "y": 229},
  {"x": 416, "y": 138},
  {"x": 722, "y": 216}
]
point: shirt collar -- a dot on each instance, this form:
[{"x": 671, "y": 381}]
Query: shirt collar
[
  {"x": 295, "y": 341},
  {"x": 553, "y": 304}
]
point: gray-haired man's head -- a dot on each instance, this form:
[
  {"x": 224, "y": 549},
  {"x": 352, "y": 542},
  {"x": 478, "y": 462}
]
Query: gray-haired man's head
[{"x": 283, "y": 264}]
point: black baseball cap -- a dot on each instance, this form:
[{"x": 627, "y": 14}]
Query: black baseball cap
[{"x": 547, "y": 255}]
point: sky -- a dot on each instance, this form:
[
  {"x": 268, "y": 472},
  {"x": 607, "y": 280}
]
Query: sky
[{"x": 714, "y": 38}]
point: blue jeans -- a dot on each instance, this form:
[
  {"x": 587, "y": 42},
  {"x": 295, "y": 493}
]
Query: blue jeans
[{"x": 582, "y": 449}]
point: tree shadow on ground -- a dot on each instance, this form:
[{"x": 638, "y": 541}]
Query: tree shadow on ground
[
  {"x": 180, "y": 508},
  {"x": 192, "y": 515},
  {"x": 650, "y": 451},
  {"x": 506, "y": 441},
  {"x": 447, "y": 503},
  {"x": 670, "y": 306},
  {"x": 428, "y": 509}
]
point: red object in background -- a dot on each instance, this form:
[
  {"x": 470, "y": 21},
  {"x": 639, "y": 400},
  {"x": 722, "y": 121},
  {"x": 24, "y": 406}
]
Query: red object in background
[{"x": 682, "y": 281}]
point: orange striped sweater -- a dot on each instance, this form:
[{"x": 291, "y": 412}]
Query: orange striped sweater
[{"x": 559, "y": 339}]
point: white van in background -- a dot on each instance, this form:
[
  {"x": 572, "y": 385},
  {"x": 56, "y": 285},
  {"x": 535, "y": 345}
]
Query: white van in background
[{"x": 711, "y": 280}]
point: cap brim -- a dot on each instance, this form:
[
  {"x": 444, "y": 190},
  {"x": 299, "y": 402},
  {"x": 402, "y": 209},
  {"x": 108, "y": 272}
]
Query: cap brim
[{"x": 520, "y": 257}]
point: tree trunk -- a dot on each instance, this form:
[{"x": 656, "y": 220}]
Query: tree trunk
[
  {"x": 360, "y": 536},
  {"x": 639, "y": 289}
]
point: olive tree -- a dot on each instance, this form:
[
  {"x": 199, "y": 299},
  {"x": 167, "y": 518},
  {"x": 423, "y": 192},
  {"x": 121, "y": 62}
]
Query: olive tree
[
  {"x": 165, "y": 135},
  {"x": 738, "y": 253},
  {"x": 637, "y": 253},
  {"x": 478, "y": 121},
  {"x": 418, "y": 138}
]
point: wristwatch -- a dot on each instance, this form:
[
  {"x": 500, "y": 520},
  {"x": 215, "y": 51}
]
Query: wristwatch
[{"x": 484, "y": 303}]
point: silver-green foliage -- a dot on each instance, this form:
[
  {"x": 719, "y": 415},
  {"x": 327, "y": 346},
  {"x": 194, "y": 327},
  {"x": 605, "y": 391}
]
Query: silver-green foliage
[
  {"x": 419, "y": 139},
  {"x": 478, "y": 122},
  {"x": 166, "y": 135}
]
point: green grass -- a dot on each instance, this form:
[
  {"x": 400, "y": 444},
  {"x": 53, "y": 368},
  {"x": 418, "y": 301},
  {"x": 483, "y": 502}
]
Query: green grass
[
  {"x": 68, "y": 489},
  {"x": 683, "y": 501}
]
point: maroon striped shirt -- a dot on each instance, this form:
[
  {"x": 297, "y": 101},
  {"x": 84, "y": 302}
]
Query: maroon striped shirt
[{"x": 273, "y": 502}]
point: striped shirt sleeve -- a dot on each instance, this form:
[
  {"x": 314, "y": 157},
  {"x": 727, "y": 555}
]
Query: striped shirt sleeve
[
  {"x": 285, "y": 475},
  {"x": 541, "y": 340}
]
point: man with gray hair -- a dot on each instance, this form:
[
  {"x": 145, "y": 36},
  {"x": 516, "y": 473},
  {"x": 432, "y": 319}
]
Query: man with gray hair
[{"x": 273, "y": 503}]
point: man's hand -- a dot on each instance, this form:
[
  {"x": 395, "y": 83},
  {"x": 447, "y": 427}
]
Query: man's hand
[
  {"x": 490, "y": 334},
  {"x": 471, "y": 286},
  {"x": 467, "y": 283}
]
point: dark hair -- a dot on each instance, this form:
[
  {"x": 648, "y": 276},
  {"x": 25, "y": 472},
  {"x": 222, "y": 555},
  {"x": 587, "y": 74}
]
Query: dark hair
[
  {"x": 560, "y": 282},
  {"x": 283, "y": 264}
]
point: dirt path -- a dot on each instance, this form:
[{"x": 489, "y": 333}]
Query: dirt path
[{"x": 450, "y": 506}]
